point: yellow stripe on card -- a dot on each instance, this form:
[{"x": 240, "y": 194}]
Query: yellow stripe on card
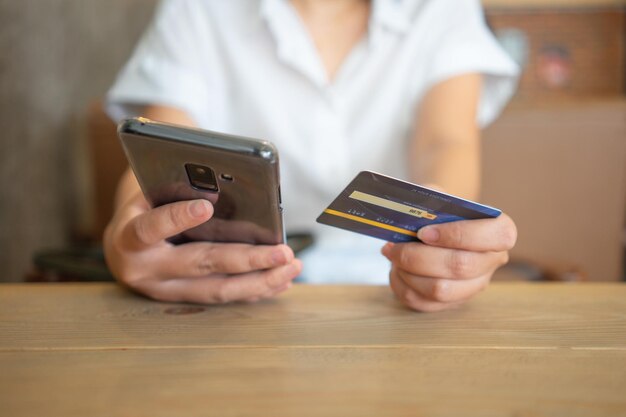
[
  {"x": 370, "y": 222},
  {"x": 392, "y": 205}
]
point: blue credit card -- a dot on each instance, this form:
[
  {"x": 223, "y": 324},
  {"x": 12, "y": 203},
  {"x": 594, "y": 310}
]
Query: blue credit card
[{"x": 394, "y": 210}]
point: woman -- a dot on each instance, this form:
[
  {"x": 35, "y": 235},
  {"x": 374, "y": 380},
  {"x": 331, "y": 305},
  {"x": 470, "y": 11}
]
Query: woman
[{"x": 395, "y": 86}]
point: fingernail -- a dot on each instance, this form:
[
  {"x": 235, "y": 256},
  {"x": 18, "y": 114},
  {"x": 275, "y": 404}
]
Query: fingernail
[
  {"x": 428, "y": 234},
  {"x": 386, "y": 250},
  {"x": 198, "y": 208}
]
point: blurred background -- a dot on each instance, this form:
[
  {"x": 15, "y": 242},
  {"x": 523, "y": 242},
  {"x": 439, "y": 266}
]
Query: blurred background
[{"x": 555, "y": 160}]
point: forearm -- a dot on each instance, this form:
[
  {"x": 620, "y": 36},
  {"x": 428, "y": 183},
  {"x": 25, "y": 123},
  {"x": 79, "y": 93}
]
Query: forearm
[
  {"x": 453, "y": 167},
  {"x": 445, "y": 150}
]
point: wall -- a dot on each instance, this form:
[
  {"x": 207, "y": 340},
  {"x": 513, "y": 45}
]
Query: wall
[
  {"x": 56, "y": 56},
  {"x": 582, "y": 50},
  {"x": 551, "y": 4},
  {"x": 576, "y": 61},
  {"x": 560, "y": 172}
]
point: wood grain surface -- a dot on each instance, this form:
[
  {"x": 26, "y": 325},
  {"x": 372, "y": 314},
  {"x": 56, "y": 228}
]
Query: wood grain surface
[
  {"x": 94, "y": 316},
  {"x": 516, "y": 350}
]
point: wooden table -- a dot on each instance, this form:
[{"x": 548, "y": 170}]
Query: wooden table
[{"x": 516, "y": 350}]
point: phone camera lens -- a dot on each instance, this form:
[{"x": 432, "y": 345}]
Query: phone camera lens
[{"x": 201, "y": 177}]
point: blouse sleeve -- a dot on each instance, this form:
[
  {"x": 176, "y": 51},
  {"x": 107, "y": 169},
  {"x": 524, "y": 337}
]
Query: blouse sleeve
[
  {"x": 464, "y": 44},
  {"x": 166, "y": 67}
]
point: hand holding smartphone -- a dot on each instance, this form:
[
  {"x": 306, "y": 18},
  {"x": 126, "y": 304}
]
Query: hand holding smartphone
[
  {"x": 239, "y": 176},
  {"x": 173, "y": 245}
]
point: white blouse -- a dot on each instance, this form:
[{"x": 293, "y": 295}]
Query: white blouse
[{"x": 250, "y": 68}]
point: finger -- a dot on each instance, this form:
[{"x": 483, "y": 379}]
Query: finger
[
  {"x": 412, "y": 299},
  {"x": 272, "y": 294},
  {"x": 444, "y": 290},
  {"x": 431, "y": 261},
  {"x": 497, "y": 234},
  {"x": 233, "y": 230},
  {"x": 158, "y": 224},
  {"x": 262, "y": 283},
  {"x": 200, "y": 259},
  {"x": 221, "y": 289},
  {"x": 133, "y": 207}
]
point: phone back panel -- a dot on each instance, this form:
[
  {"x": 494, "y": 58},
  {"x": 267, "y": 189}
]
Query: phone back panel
[{"x": 246, "y": 171}]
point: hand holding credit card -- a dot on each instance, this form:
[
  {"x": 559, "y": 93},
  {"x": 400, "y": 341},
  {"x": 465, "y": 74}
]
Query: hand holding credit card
[{"x": 394, "y": 210}]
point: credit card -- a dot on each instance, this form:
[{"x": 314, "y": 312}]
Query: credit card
[{"x": 394, "y": 210}]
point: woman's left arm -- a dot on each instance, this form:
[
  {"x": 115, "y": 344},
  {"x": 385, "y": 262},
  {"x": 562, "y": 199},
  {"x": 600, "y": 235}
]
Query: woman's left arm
[
  {"x": 445, "y": 148},
  {"x": 455, "y": 260}
]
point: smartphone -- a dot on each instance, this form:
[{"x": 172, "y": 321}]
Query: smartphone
[{"x": 238, "y": 175}]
